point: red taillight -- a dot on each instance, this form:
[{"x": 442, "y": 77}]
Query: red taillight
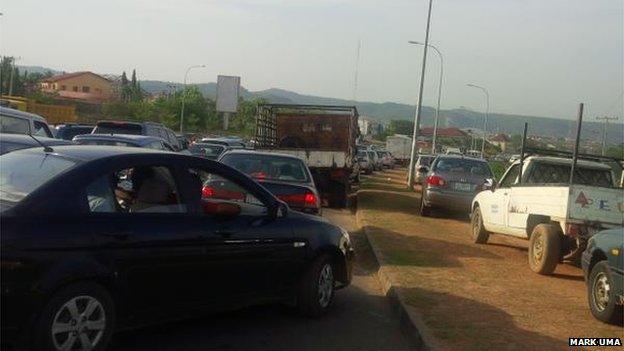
[
  {"x": 298, "y": 200},
  {"x": 207, "y": 191},
  {"x": 434, "y": 180},
  {"x": 222, "y": 194},
  {"x": 573, "y": 230},
  {"x": 310, "y": 199}
]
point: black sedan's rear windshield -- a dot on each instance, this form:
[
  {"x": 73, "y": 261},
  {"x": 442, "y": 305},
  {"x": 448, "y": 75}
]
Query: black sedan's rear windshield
[
  {"x": 459, "y": 165},
  {"x": 21, "y": 174},
  {"x": 118, "y": 128},
  {"x": 268, "y": 167}
]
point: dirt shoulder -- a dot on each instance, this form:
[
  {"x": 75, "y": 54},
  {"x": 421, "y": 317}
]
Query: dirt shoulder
[{"x": 471, "y": 297}]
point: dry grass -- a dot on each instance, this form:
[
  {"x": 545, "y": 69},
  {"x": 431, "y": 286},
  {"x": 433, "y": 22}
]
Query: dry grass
[{"x": 473, "y": 297}]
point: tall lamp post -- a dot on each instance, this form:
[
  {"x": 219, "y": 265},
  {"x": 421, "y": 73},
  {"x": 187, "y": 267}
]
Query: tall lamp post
[
  {"x": 410, "y": 177},
  {"x": 487, "y": 112},
  {"x": 184, "y": 95},
  {"x": 437, "y": 115}
]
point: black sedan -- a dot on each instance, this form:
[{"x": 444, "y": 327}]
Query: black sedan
[
  {"x": 286, "y": 176},
  {"x": 96, "y": 238}
]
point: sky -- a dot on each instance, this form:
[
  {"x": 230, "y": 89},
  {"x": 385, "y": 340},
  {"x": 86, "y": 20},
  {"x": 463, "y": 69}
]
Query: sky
[{"x": 535, "y": 57}]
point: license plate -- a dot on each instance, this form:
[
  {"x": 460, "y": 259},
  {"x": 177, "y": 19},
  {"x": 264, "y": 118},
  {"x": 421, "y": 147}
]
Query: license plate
[{"x": 463, "y": 186}]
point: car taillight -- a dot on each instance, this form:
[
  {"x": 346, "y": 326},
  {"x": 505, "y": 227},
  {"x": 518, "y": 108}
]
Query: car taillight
[
  {"x": 306, "y": 200},
  {"x": 434, "y": 180},
  {"x": 573, "y": 230},
  {"x": 222, "y": 194},
  {"x": 258, "y": 175},
  {"x": 207, "y": 191}
]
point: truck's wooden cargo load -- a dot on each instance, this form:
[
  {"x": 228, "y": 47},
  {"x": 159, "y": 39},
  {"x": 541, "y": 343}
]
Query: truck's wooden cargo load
[{"x": 323, "y": 136}]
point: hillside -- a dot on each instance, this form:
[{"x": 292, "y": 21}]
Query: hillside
[{"x": 387, "y": 111}]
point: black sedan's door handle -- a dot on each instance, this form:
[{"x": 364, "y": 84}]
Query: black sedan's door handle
[
  {"x": 118, "y": 236},
  {"x": 224, "y": 232}
]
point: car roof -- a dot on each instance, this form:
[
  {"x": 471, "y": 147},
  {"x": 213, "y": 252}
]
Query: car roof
[
  {"x": 461, "y": 157},
  {"x": 255, "y": 152},
  {"x": 5, "y": 111},
  {"x": 566, "y": 161},
  {"x": 133, "y": 138},
  {"x": 92, "y": 152},
  {"x": 28, "y": 140}
]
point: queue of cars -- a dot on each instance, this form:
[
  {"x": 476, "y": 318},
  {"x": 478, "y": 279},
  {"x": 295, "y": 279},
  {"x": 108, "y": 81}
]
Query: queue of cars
[{"x": 127, "y": 229}]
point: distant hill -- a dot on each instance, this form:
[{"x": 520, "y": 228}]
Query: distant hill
[
  {"x": 37, "y": 69},
  {"x": 387, "y": 111}
]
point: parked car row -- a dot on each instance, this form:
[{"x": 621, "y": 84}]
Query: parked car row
[{"x": 371, "y": 159}]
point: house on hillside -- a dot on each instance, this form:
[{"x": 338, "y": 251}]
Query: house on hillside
[
  {"x": 450, "y": 132},
  {"x": 82, "y": 86},
  {"x": 500, "y": 140}
]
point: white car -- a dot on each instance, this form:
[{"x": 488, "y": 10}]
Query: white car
[{"x": 557, "y": 217}]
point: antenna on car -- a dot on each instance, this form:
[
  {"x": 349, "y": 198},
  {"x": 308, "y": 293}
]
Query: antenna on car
[{"x": 46, "y": 148}]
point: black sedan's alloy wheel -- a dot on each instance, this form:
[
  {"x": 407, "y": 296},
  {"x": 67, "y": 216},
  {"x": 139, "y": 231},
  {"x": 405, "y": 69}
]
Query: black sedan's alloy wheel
[
  {"x": 78, "y": 317},
  {"x": 316, "y": 291}
]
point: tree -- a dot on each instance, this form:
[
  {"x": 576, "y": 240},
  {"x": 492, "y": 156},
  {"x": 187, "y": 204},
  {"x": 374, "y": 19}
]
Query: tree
[{"x": 401, "y": 127}]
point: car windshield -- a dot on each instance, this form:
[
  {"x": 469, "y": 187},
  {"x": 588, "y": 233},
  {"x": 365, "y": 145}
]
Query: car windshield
[
  {"x": 460, "y": 165},
  {"x": 268, "y": 167},
  {"x": 104, "y": 142},
  {"x": 21, "y": 174},
  {"x": 118, "y": 128},
  {"x": 207, "y": 150}
]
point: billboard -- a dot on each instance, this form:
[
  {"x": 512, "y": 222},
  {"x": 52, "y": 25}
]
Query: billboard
[{"x": 228, "y": 88}]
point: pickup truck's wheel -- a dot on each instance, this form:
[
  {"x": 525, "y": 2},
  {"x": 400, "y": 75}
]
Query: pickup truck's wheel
[
  {"x": 78, "y": 317},
  {"x": 316, "y": 290},
  {"x": 600, "y": 293},
  {"x": 544, "y": 248},
  {"x": 479, "y": 234}
]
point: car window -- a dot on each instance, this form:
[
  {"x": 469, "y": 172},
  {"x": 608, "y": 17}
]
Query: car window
[
  {"x": 21, "y": 174},
  {"x": 142, "y": 189},
  {"x": 156, "y": 145},
  {"x": 459, "y": 165},
  {"x": 42, "y": 129},
  {"x": 103, "y": 142},
  {"x": 511, "y": 177},
  {"x": 213, "y": 190},
  {"x": 551, "y": 173},
  {"x": 268, "y": 167},
  {"x": 14, "y": 125}
]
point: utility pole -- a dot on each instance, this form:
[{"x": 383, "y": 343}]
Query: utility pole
[
  {"x": 410, "y": 177},
  {"x": 604, "y": 131}
]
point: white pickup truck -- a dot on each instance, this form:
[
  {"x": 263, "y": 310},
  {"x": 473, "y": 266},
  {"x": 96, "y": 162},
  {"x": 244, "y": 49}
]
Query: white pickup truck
[{"x": 557, "y": 217}]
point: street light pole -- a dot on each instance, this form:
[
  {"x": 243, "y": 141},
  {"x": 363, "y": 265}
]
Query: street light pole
[
  {"x": 437, "y": 115},
  {"x": 410, "y": 178},
  {"x": 487, "y": 112},
  {"x": 604, "y": 131},
  {"x": 184, "y": 95}
]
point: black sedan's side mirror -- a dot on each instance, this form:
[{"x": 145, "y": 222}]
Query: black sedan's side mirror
[{"x": 279, "y": 210}]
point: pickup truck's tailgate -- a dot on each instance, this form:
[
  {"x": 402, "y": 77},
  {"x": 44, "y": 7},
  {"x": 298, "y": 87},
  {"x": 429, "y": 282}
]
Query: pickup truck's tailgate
[{"x": 596, "y": 204}]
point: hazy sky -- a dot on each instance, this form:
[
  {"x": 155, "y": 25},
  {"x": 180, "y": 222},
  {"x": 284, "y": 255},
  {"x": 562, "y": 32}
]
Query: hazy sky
[{"x": 538, "y": 57}]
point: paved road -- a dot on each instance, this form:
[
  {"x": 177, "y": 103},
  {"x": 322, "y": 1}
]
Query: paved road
[{"x": 361, "y": 319}]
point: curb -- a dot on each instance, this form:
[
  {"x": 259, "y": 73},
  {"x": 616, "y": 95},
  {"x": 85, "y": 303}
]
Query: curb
[{"x": 411, "y": 321}]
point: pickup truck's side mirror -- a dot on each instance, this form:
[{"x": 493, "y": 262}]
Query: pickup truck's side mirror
[
  {"x": 422, "y": 169},
  {"x": 489, "y": 184}
]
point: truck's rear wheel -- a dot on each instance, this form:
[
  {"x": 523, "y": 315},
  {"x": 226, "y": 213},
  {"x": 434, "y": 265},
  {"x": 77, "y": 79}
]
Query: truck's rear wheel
[
  {"x": 479, "y": 234},
  {"x": 544, "y": 248}
]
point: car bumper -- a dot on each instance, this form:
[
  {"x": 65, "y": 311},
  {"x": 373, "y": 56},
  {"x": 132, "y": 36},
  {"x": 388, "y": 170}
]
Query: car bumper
[{"x": 449, "y": 200}]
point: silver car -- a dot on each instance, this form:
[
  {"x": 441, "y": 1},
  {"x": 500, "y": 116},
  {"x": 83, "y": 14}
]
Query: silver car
[{"x": 452, "y": 182}]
